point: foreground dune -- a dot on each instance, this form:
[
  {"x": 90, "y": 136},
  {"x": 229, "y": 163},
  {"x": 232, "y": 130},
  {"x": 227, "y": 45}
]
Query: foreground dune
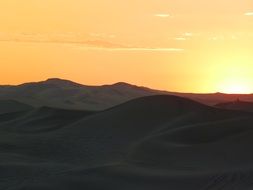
[{"x": 156, "y": 142}]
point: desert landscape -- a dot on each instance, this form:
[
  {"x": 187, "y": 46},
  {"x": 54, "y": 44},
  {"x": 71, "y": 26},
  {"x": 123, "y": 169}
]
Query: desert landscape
[{"x": 150, "y": 142}]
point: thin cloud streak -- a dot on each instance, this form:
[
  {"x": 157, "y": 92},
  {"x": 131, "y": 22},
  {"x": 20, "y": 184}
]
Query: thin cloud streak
[
  {"x": 163, "y": 15},
  {"x": 172, "y": 50},
  {"x": 97, "y": 45},
  {"x": 149, "y": 49},
  {"x": 248, "y": 14},
  {"x": 180, "y": 39}
]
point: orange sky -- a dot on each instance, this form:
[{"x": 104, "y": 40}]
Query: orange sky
[{"x": 183, "y": 45}]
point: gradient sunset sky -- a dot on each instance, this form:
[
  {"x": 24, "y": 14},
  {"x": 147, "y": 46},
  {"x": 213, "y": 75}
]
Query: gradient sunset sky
[{"x": 182, "y": 45}]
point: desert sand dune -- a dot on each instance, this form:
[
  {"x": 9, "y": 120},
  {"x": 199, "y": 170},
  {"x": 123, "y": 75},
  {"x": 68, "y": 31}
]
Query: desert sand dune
[
  {"x": 157, "y": 142},
  {"x": 44, "y": 118},
  {"x": 10, "y": 106},
  {"x": 237, "y": 105}
]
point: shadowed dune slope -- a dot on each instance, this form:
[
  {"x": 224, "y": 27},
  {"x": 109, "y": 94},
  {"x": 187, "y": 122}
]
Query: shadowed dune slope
[
  {"x": 9, "y": 106},
  {"x": 157, "y": 142},
  {"x": 237, "y": 105},
  {"x": 41, "y": 119}
]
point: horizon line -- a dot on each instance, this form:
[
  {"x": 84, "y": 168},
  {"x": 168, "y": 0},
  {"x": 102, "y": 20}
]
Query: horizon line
[{"x": 115, "y": 83}]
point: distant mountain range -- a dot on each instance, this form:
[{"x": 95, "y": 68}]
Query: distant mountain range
[{"x": 66, "y": 94}]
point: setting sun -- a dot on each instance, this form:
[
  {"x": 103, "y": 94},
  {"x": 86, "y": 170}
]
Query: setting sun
[{"x": 235, "y": 86}]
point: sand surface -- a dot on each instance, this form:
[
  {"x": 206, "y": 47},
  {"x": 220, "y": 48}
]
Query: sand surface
[{"x": 151, "y": 143}]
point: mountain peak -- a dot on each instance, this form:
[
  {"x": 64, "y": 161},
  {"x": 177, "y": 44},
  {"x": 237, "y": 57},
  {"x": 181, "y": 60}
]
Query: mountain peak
[
  {"x": 55, "y": 79},
  {"x": 58, "y": 81},
  {"x": 122, "y": 84}
]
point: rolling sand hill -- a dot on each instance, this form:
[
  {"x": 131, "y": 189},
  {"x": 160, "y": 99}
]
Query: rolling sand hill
[
  {"x": 156, "y": 142},
  {"x": 8, "y": 106},
  {"x": 237, "y": 105}
]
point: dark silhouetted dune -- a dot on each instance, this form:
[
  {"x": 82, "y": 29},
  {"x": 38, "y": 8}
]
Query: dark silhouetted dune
[
  {"x": 8, "y": 106},
  {"x": 42, "y": 119},
  {"x": 155, "y": 142},
  {"x": 237, "y": 105}
]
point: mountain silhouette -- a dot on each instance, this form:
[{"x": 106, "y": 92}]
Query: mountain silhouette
[
  {"x": 66, "y": 94},
  {"x": 69, "y": 95}
]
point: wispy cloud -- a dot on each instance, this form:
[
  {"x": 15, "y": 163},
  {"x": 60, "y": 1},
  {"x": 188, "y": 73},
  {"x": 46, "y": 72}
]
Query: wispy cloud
[
  {"x": 176, "y": 50},
  {"x": 163, "y": 15},
  {"x": 223, "y": 37},
  {"x": 249, "y": 13},
  {"x": 188, "y": 34},
  {"x": 180, "y": 39},
  {"x": 102, "y": 35},
  {"x": 183, "y": 36},
  {"x": 79, "y": 43},
  {"x": 103, "y": 45}
]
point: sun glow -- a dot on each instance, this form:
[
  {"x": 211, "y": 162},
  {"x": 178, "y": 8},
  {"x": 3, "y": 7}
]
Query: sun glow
[
  {"x": 231, "y": 74},
  {"x": 235, "y": 86}
]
